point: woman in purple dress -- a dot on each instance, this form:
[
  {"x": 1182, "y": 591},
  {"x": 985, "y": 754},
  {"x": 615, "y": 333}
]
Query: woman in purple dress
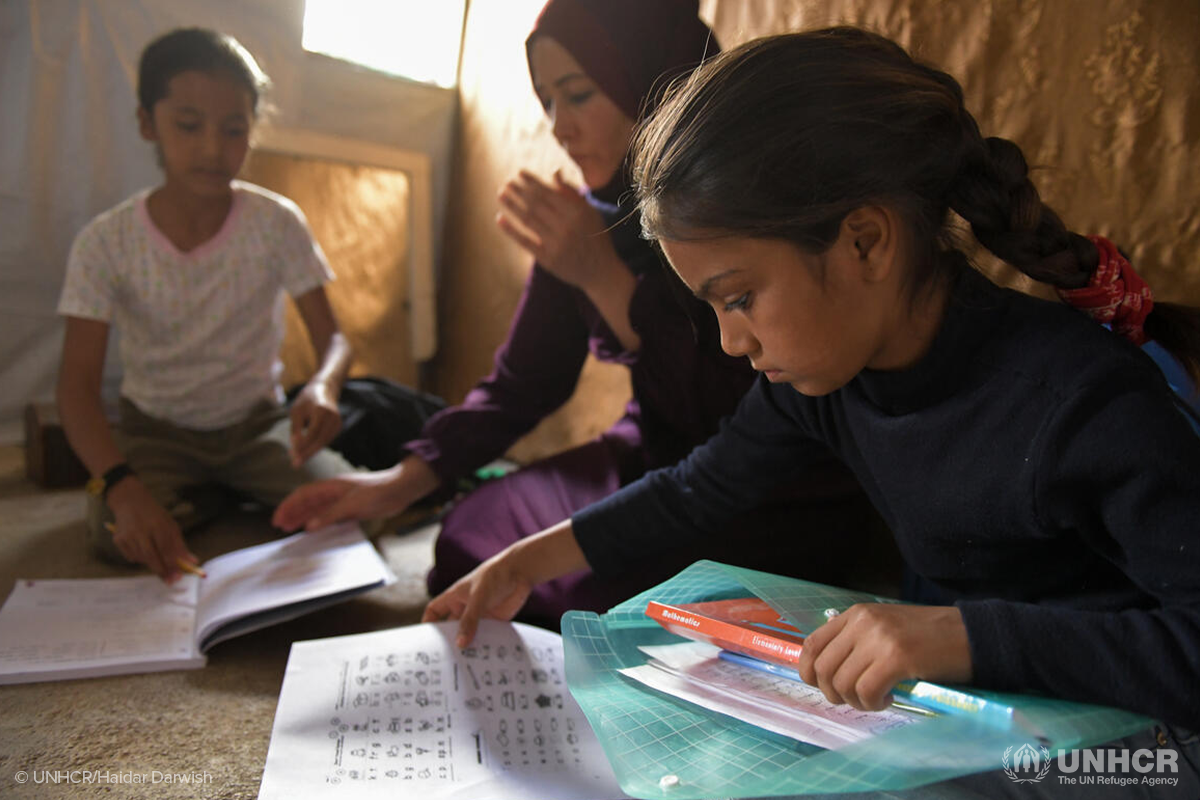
[{"x": 598, "y": 287}]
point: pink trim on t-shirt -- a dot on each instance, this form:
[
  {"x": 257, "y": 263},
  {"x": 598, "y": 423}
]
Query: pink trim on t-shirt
[{"x": 215, "y": 242}]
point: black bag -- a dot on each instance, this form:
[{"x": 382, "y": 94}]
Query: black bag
[{"x": 378, "y": 417}]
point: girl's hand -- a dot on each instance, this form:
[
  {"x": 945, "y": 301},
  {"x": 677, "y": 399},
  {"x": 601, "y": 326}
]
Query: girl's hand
[
  {"x": 316, "y": 421},
  {"x": 859, "y": 655},
  {"x": 358, "y": 495},
  {"x": 496, "y": 589},
  {"x": 558, "y": 228},
  {"x": 144, "y": 532}
]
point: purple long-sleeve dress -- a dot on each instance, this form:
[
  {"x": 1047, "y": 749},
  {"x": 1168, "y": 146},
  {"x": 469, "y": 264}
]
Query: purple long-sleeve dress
[{"x": 683, "y": 385}]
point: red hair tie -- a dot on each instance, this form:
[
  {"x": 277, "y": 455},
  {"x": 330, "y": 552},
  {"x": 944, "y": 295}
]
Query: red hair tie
[{"x": 1115, "y": 294}]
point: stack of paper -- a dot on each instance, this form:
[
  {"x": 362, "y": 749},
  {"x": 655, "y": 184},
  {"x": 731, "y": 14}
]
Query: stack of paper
[{"x": 693, "y": 672}]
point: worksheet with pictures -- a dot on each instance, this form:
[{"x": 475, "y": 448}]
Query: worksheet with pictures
[{"x": 404, "y": 710}]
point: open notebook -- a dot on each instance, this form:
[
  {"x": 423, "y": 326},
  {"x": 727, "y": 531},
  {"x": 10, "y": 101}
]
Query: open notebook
[{"x": 79, "y": 628}]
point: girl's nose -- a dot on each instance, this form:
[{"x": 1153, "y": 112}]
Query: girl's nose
[
  {"x": 736, "y": 340},
  {"x": 212, "y": 143}
]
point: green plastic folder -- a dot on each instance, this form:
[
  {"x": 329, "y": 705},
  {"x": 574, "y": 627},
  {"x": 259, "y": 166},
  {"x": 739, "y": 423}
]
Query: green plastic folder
[{"x": 663, "y": 747}]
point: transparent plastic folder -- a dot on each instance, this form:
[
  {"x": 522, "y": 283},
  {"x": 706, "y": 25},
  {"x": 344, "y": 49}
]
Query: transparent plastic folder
[{"x": 662, "y": 747}]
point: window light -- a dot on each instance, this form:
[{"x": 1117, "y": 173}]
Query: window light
[{"x": 415, "y": 39}]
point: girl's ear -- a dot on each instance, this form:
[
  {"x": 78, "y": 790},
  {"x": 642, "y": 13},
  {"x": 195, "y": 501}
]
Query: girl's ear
[
  {"x": 871, "y": 233},
  {"x": 146, "y": 125}
]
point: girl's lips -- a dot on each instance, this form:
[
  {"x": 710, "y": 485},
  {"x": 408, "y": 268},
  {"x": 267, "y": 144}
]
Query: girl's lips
[{"x": 771, "y": 374}]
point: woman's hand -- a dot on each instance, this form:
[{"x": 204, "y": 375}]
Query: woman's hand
[
  {"x": 144, "y": 532},
  {"x": 498, "y": 587},
  {"x": 357, "y": 495},
  {"x": 316, "y": 421},
  {"x": 559, "y": 228},
  {"x": 859, "y": 655},
  {"x": 568, "y": 238}
]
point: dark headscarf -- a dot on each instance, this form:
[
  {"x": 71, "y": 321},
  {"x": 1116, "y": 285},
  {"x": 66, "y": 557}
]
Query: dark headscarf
[{"x": 630, "y": 48}]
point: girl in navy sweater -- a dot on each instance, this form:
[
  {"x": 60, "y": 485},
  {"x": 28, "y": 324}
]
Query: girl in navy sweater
[{"x": 1035, "y": 467}]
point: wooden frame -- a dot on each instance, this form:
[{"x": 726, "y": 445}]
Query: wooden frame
[{"x": 422, "y": 297}]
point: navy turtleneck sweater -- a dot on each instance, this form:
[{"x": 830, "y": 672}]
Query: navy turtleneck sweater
[{"x": 1032, "y": 466}]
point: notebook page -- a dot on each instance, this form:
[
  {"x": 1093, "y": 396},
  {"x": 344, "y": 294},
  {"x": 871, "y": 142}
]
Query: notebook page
[
  {"x": 286, "y": 572},
  {"x": 58, "y": 629}
]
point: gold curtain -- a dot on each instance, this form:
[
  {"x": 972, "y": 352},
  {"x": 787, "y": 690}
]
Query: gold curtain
[
  {"x": 359, "y": 216},
  {"x": 1101, "y": 95}
]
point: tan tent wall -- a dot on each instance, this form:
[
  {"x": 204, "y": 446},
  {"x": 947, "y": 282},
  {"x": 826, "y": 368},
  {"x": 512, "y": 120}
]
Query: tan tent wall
[
  {"x": 359, "y": 215},
  {"x": 1101, "y": 95}
]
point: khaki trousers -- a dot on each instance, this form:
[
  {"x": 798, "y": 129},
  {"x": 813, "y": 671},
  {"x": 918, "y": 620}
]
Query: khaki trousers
[{"x": 199, "y": 475}]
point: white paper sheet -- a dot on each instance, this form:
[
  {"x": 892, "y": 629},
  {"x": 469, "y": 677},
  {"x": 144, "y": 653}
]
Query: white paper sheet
[
  {"x": 60, "y": 629},
  {"x": 692, "y": 672},
  {"x": 404, "y": 713}
]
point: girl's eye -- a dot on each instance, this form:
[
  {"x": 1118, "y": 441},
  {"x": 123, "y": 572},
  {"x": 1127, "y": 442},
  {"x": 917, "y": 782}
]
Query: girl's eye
[
  {"x": 579, "y": 98},
  {"x": 236, "y": 133},
  {"x": 188, "y": 127},
  {"x": 740, "y": 303}
]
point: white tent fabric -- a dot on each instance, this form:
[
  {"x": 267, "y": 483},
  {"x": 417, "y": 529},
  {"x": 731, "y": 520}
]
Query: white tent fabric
[{"x": 69, "y": 146}]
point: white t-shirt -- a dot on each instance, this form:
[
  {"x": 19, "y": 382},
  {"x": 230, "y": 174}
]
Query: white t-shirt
[{"x": 200, "y": 332}]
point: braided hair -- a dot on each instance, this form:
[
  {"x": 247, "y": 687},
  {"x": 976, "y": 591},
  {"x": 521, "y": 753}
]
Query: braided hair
[{"x": 784, "y": 136}]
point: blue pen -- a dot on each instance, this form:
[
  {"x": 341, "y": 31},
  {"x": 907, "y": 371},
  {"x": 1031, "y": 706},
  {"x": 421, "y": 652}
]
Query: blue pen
[{"x": 755, "y": 663}]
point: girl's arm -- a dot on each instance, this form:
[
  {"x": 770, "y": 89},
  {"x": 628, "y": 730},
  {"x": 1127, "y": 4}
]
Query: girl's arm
[
  {"x": 316, "y": 420},
  {"x": 762, "y": 446},
  {"x": 663, "y": 509},
  {"x": 78, "y": 393},
  {"x": 1123, "y": 480},
  {"x": 145, "y": 533},
  {"x": 498, "y": 587}
]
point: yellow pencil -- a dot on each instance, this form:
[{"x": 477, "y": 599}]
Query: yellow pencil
[{"x": 186, "y": 566}]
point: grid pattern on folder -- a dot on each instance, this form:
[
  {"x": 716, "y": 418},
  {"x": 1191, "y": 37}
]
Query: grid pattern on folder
[
  {"x": 663, "y": 747},
  {"x": 804, "y": 603}
]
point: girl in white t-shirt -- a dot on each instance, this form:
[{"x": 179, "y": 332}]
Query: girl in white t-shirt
[{"x": 192, "y": 273}]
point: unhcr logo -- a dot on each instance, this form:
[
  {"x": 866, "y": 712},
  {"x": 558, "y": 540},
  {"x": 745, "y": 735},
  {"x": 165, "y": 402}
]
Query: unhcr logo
[{"x": 1028, "y": 764}]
